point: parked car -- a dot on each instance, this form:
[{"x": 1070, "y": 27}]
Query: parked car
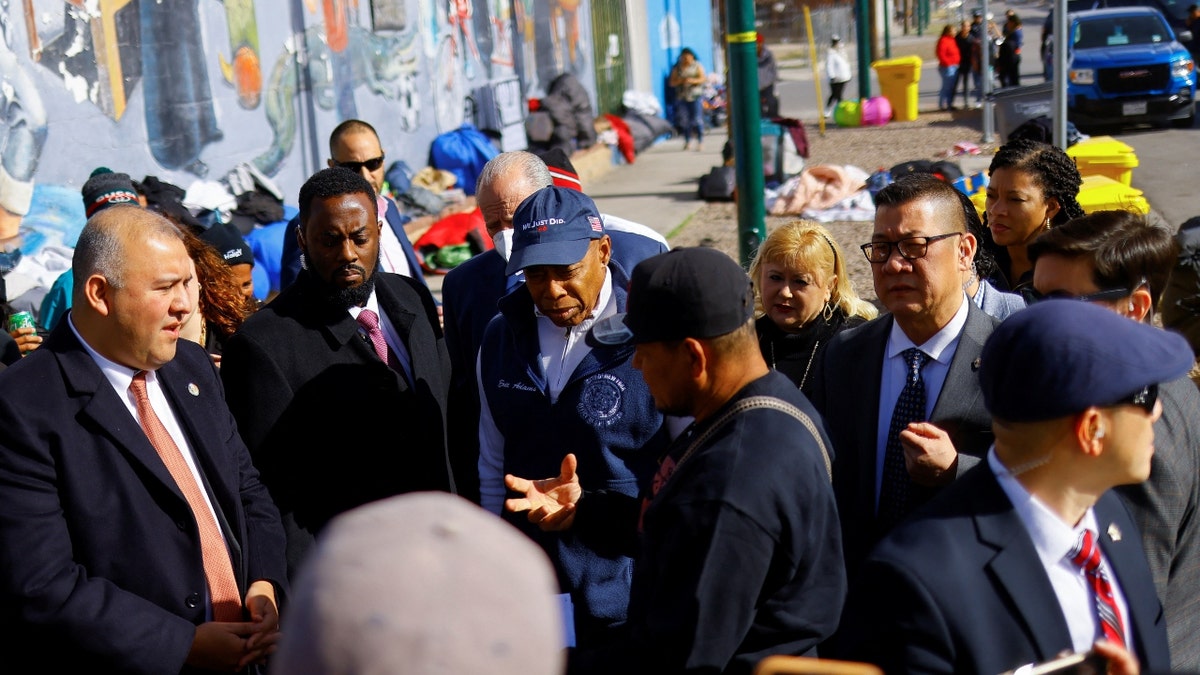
[
  {"x": 1128, "y": 67},
  {"x": 1175, "y": 12}
]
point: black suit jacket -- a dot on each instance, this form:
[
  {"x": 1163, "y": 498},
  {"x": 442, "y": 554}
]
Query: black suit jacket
[
  {"x": 846, "y": 392},
  {"x": 959, "y": 588},
  {"x": 102, "y": 570},
  {"x": 328, "y": 424}
]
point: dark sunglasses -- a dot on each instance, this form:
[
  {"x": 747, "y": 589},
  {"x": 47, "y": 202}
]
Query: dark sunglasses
[
  {"x": 1032, "y": 296},
  {"x": 357, "y": 167},
  {"x": 1144, "y": 398}
]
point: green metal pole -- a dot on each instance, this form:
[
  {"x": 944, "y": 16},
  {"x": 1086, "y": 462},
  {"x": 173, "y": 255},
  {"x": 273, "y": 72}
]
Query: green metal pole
[
  {"x": 887, "y": 29},
  {"x": 746, "y": 124},
  {"x": 862, "y": 14}
]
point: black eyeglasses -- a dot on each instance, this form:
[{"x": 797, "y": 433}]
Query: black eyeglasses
[
  {"x": 1032, "y": 296},
  {"x": 1144, "y": 398},
  {"x": 910, "y": 248},
  {"x": 357, "y": 167}
]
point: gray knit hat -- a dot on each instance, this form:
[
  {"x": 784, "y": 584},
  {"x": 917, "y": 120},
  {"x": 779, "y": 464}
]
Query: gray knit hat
[{"x": 424, "y": 583}]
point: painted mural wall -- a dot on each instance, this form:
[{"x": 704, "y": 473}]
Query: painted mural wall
[{"x": 188, "y": 90}]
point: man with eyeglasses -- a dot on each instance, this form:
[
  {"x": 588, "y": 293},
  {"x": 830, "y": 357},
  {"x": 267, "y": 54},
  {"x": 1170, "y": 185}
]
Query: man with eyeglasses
[
  {"x": 1118, "y": 260},
  {"x": 1031, "y": 554},
  {"x": 900, "y": 394},
  {"x": 354, "y": 145}
]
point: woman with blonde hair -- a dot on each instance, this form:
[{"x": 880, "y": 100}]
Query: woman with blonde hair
[{"x": 804, "y": 297}]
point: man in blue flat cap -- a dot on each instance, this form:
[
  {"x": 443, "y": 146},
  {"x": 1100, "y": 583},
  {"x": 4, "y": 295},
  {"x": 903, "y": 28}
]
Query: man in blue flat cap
[
  {"x": 545, "y": 392},
  {"x": 1030, "y": 554}
]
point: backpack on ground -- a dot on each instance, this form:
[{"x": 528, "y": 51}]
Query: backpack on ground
[{"x": 719, "y": 184}]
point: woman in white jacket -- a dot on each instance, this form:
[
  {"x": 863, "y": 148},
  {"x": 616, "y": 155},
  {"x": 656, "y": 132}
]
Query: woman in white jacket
[{"x": 837, "y": 69}]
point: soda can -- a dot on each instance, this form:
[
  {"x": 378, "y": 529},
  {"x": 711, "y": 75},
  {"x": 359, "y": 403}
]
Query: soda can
[{"x": 21, "y": 320}]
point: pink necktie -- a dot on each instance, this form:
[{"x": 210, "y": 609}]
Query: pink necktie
[
  {"x": 218, "y": 570},
  {"x": 370, "y": 321}
]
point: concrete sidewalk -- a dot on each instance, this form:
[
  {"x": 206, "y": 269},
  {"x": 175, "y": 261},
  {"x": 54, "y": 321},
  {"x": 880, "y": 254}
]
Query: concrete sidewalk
[{"x": 661, "y": 188}]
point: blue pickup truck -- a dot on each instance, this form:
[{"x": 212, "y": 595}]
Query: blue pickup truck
[{"x": 1128, "y": 67}]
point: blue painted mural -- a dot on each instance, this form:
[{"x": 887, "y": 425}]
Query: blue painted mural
[{"x": 191, "y": 90}]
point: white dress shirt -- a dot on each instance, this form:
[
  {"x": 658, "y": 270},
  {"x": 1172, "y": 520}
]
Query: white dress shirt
[
  {"x": 940, "y": 348},
  {"x": 1053, "y": 538}
]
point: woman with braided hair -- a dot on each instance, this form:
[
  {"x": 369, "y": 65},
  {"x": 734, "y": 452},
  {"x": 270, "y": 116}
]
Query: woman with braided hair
[
  {"x": 804, "y": 297},
  {"x": 1033, "y": 187}
]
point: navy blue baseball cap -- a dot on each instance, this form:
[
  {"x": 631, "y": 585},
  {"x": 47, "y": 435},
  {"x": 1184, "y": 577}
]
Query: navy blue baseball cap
[
  {"x": 1060, "y": 357},
  {"x": 695, "y": 292},
  {"x": 553, "y": 226}
]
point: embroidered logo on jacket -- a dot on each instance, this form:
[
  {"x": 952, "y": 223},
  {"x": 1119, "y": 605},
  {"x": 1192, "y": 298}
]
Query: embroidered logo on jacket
[{"x": 600, "y": 403}]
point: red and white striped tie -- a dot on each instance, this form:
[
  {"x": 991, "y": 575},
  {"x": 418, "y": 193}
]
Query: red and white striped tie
[{"x": 1086, "y": 555}]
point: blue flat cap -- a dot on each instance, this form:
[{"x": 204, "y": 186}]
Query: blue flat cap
[
  {"x": 553, "y": 226},
  {"x": 1061, "y": 357}
]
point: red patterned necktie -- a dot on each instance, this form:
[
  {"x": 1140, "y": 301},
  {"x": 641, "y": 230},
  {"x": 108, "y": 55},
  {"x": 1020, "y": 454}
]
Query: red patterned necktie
[
  {"x": 1086, "y": 555},
  {"x": 218, "y": 570}
]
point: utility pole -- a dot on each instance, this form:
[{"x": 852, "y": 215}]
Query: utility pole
[
  {"x": 746, "y": 123},
  {"x": 862, "y": 18}
]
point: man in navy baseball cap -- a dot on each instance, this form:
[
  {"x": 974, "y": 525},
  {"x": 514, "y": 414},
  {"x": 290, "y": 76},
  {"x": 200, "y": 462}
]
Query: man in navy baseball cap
[{"x": 543, "y": 387}]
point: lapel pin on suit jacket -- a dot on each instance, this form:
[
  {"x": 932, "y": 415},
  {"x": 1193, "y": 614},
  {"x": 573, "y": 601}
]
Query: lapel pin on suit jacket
[
  {"x": 975, "y": 365},
  {"x": 193, "y": 389},
  {"x": 1114, "y": 532}
]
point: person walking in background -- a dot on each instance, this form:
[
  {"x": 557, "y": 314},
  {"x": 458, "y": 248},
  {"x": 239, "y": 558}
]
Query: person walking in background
[
  {"x": 1193, "y": 24},
  {"x": 687, "y": 77},
  {"x": 837, "y": 69},
  {"x": 963, "y": 40},
  {"x": 768, "y": 75},
  {"x": 1008, "y": 63},
  {"x": 948, "y": 60}
]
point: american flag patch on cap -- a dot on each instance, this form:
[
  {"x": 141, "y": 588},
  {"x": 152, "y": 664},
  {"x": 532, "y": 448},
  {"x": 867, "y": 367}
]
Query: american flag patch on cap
[{"x": 597, "y": 226}]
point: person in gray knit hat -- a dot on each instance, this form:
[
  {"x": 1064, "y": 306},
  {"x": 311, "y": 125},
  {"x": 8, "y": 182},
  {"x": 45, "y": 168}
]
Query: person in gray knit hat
[{"x": 423, "y": 583}]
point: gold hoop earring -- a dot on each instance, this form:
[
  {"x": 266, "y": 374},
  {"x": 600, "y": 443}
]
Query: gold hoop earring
[{"x": 827, "y": 312}]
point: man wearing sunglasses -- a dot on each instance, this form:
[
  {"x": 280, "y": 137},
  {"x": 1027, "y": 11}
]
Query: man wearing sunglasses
[
  {"x": 900, "y": 394},
  {"x": 1119, "y": 261},
  {"x": 354, "y": 145},
  {"x": 1031, "y": 553}
]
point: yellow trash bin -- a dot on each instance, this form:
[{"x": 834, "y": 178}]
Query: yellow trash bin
[
  {"x": 1105, "y": 156},
  {"x": 898, "y": 80},
  {"x": 1101, "y": 193}
]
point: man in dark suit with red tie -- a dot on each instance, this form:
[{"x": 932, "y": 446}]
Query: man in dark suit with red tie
[
  {"x": 135, "y": 534},
  {"x": 1032, "y": 553},
  {"x": 346, "y": 355}
]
